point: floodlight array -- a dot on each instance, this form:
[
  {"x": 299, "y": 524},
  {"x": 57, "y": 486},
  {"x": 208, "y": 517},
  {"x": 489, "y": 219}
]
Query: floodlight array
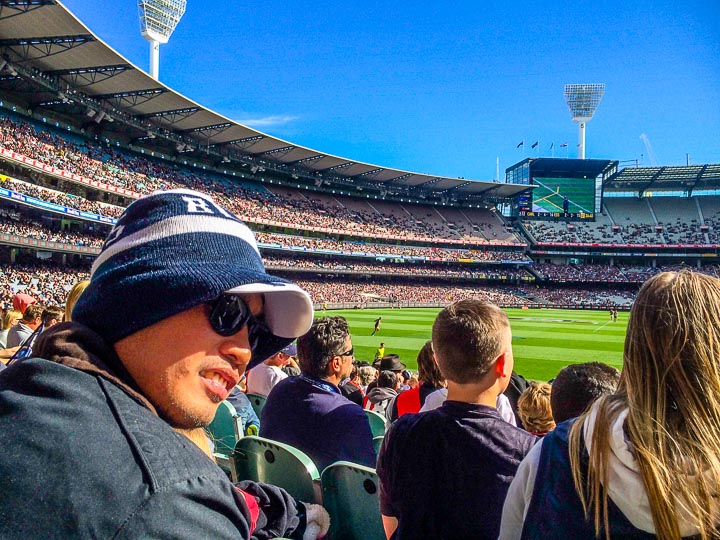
[
  {"x": 583, "y": 100},
  {"x": 159, "y": 18}
]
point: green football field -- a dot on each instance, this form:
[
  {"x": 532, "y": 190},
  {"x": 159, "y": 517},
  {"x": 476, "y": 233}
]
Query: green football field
[{"x": 544, "y": 340}]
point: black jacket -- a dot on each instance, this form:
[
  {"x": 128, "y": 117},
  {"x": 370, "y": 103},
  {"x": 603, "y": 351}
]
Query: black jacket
[{"x": 85, "y": 456}]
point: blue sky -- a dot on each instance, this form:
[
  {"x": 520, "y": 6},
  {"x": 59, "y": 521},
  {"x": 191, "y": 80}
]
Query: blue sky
[{"x": 445, "y": 88}]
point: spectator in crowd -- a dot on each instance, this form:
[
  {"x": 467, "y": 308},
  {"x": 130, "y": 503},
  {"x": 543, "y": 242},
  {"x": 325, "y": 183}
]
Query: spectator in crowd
[
  {"x": 263, "y": 377},
  {"x": 577, "y": 386},
  {"x": 534, "y": 409},
  {"x": 106, "y": 390},
  {"x": 21, "y": 301},
  {"x": 73, "y": 297},
  {"x": 249, "y": 420},
  {"x": 643, "y": 461},
  {"x": 429, "y": 378},
  {"x": 518, "y": 384},
  {"x": 367, "y": 374},
  {"x": 26, "y": 327},
  {"x": 51, "y": 316},
  {"x": 379, "y": 398},
  {"x": 9, "y": 319},
  {"x": 352, "y": 389},
  {"x": 444, "y": 473},
  {"x": 309, "y": 412}
]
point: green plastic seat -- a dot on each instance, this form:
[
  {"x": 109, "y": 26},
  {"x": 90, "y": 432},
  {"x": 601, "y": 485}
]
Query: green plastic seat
[
  {"x": 377, "y": 443},
  {"x": 350, "y": 495},
  {"x": 258, "y": 402},
  {"x": 226, "y": 429},
  {"x": 272, "y": 462},
  {"x": 378, "y": 423}
]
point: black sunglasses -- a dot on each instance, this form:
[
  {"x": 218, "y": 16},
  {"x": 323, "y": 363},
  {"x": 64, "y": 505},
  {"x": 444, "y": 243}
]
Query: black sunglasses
[
  {"x": 351, "y": 352},
  {"x": 229, "y": 314}
]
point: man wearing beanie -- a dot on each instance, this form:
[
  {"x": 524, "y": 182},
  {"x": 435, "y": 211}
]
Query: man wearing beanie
[{"x": 90, "y": 441}]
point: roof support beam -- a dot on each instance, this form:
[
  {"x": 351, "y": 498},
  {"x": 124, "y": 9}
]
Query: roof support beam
[
  {"x": 245, "y": 142},
  {"x": 340, "y": 166},
  {"x": 370, "y": 173},
  {"x": 306, "y": 159},
  {"x": 80, "y": 77},
  {"x": 172, "y": 117},
  {"x": 11, "y": 9},
  {"x": 46, "y": 46},
  {"x": 277, "y": 151},
  {"x": 131, "y": 99}
]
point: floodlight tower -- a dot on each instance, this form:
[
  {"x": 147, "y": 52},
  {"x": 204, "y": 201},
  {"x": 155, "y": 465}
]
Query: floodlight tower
[
  {"x": 158, "y": 19},
  {"x": 583, "y": 101}
]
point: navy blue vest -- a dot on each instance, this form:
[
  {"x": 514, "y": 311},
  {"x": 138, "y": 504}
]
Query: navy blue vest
[{"x": 555, "y": 510}]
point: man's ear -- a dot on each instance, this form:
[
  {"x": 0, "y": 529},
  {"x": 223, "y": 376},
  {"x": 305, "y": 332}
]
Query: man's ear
[
  {"x": 501, "y": 366},
  {"x": 335, "y": 364}
]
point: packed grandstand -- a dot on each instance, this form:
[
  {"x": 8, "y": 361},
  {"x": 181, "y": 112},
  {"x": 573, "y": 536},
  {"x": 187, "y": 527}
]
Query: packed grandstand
[{"x": 77, "y": 146}]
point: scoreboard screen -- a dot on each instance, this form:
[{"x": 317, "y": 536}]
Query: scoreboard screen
[{"x": 559, "y": 198}]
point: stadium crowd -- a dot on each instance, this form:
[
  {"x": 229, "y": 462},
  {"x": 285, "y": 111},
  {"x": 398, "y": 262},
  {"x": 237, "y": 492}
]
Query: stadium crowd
[
  {"x": 109, "y": 165},
  {"x": 311, "y": 243},
  {"x": 148, "y": 419}
]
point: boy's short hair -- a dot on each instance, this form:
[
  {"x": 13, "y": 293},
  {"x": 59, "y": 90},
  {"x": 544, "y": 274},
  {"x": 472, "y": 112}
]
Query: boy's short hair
[
  {"x": 579, "y": 385},
  {"x": 534, "y": 408},
  {"x": 467, "y": 337}
]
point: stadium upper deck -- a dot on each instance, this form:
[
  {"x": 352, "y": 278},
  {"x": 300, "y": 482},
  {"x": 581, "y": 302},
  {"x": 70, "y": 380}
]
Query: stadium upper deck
[{"x": 52, "y": 64}]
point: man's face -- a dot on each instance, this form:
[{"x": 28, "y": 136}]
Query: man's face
[
  {"x": 347, "y": 361},
  {"x": 184, "y": 367}
]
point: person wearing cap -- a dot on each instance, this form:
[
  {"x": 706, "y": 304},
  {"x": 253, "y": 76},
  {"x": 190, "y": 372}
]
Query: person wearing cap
[
  {"x": 263, "y": 377},
  {"x": 22, "y": 301},
  {"x": 309, "y": 411},
  {"x": 91, "y": 447},
  {"x": 27, "y": 326}
]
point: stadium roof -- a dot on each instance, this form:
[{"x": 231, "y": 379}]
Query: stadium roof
[
  {"x": 685, "y": 178},
  {"x": 51, "y": 61}
]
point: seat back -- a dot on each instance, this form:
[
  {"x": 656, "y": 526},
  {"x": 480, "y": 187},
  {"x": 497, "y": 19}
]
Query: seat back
[
  {"x": 272, "y": 462},
  {"x": 258, "y": 402},
  {"x": 350, "y": 495},
  {"x": 377, "y": 443},
  {"x": 226, "y": 429},
  {"x": 378, "y": 423}
]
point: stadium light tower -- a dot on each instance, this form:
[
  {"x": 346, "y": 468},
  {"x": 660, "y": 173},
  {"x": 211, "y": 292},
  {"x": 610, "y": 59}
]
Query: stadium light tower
[
  {"x": 158, "y": 19},
  {"x": 583, "y": 101}
]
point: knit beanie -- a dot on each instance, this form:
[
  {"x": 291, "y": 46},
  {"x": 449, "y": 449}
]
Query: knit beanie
[{"x": 174, "y": 250}]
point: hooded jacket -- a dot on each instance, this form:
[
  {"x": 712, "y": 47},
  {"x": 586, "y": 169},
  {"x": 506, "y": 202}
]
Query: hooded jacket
[
  {"x": 379, "y": 398},
  {"x": 542, "y": 501},
  {"x": 86, "y": 456}
]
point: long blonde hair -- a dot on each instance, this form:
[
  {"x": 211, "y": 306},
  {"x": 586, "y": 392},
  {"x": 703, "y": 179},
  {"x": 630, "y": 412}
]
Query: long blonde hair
[
  {"x": 73, "y": 297},
  {"x": 670, "y": 386}
]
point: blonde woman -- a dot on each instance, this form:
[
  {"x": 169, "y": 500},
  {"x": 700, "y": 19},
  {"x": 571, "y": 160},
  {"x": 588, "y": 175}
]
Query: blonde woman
[
  {"x": 644, "y": 461},
  {"x": 73, "y": 296},
  {"x": 10, "y": 318}
]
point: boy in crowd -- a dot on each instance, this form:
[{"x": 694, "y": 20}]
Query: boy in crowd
[{"x": 445, "y": 473}]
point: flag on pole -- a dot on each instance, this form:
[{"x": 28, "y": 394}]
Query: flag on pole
[
  {"x": 535, "y": 145},
  {"x": 521, "y": 143},
  {"x": 563, "y": 145},
  {"x": 552, "y": 145}
]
